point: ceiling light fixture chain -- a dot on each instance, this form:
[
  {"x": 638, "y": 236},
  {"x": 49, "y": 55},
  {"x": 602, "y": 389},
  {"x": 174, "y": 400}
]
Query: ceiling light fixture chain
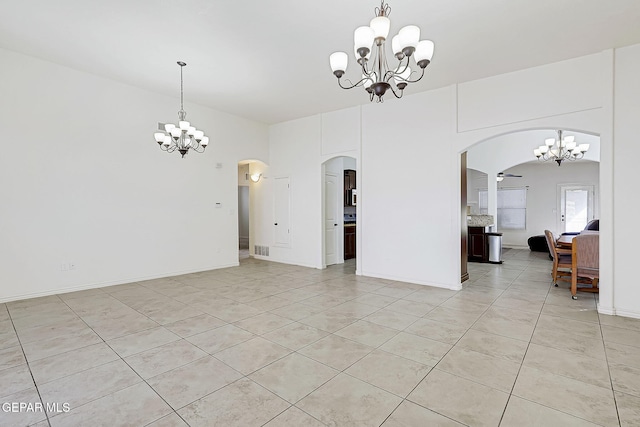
[
  {"x": 183, "y": 137},
  {"x": 558, "y": 150},
  {"x": 377, "y": 75},
  {"x": 182, "y": 114}
]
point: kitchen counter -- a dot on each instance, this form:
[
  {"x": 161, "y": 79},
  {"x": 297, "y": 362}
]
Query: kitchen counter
[
  {"x": 479, "y": 220},
  {"x": 349, "y": 225}
]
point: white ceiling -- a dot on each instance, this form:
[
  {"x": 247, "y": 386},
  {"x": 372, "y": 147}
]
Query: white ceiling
[{"x": 268, "y": 60}]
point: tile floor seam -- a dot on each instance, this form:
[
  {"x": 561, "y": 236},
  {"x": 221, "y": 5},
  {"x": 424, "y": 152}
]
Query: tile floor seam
[
  {"x": 429, "y": 409},
  {"x": 297, "y": 401},
  {"x": 342, "y": 371},
  {"x": 26, "y": 361},
  {"x": 524, "y": 356},
  {"x": 613, "y": 391},
  {"x": 300, "y": 409},
  {"x": 558, "y": 410}
]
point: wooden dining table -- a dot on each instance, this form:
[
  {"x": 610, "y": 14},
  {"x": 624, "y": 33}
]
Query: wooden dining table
[{"x": 566, "y": 240}]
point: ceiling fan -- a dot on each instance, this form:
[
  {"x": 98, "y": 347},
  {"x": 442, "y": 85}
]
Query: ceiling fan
[{"x": 502, "y": 175}]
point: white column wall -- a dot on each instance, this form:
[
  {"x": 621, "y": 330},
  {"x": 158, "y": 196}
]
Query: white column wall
[
  {"x": 294, "y": 153},
  {"x": 626, "y": 293},
  {"x": 409, "y": 182},
  {"x": 84, "y": 185}
]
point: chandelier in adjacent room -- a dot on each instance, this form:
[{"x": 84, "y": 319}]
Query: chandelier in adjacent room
[
  {"x": 182, "y": 137},
  {"x": 377, "y": 77},
  {"x": 558, "y": 150}
]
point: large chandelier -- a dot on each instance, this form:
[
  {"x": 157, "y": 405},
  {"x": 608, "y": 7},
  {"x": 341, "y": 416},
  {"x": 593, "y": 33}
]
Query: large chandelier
[
  {"x": 183, "y": 137},
  {"x": 558, "y": 150},
  {"x": 377, "y": 76}
]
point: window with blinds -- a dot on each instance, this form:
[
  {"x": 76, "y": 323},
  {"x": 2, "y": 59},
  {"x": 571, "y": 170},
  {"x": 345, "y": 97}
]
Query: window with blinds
[{"x": 512, "y": 207}]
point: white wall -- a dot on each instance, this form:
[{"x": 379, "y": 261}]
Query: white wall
[
  {"x": 626, "y": 294},
  {"x": 407, "y": 190},
  {"x": 534, "y": 93},
  {"x": 294, "y": 152},
  {"x": 84, "y": 183}
]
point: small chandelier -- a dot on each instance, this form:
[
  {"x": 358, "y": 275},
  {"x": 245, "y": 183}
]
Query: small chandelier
[
  {"x": 563, "y": 148},
  {"x": 183, "y": 137},
  {"x": 377, "y": 77}
]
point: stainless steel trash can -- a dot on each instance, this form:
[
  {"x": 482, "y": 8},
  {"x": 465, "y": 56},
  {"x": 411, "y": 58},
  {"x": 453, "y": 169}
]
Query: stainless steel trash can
[{"x": 495, "y": 247}]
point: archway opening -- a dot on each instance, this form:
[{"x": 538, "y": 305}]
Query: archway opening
[
  {"x": 250, "y": 176},
  {"x": 503, "y": 168},
  {"x": 339, "y": 211}
]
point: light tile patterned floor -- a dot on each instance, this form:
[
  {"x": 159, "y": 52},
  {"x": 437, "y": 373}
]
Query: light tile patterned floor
[{"x": 267, "y": 344}]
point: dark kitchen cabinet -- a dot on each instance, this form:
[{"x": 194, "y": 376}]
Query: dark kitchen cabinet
[
  {"x": 349, "y": 242},
  {"x": 349, "y": 184},
  {"x": 478, "y": 250}
]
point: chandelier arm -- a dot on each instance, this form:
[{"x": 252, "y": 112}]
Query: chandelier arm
[
  {"x": 395, "y": 94},
  {"x": 367, "y": 73},
  {"x": 352, "y": 85},
  {"x": 416, "y": 80},
  {"x": 397, "y": 72},
  {"x": 198, "y": 148},
  {"x": 168, "y": 148}
]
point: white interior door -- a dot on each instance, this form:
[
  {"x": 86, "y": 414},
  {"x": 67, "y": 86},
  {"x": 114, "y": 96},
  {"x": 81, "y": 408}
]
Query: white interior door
[
  {"x": 576, "y": 207},
  {"x": 331, "y": 218},
  {"x": 282, "y": 205}
]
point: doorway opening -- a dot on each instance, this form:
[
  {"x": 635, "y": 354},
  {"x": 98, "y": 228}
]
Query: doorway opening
[
  {"x": 339, "y": 217},
  {"x": 243, "y": 210},
  {"x": 575, "y": 207},
  {"x": 550, "y": 197},
  {"x": 250, "y": 176}
]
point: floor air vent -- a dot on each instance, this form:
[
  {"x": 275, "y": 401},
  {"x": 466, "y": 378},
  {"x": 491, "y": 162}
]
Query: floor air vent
[{"x": 261, "y": 250}]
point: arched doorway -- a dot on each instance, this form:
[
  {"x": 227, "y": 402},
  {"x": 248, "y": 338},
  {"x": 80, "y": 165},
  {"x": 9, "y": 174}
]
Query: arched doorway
[
  {"x": 250, "y": 176},
  {"x": 506, "y": 164},
  {"x": 339, "y": 218}
]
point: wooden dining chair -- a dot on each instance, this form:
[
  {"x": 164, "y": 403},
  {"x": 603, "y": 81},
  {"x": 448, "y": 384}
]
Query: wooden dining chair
[
  {"x": 561, "y": 269},
  {"x": 585, "y": 262}
]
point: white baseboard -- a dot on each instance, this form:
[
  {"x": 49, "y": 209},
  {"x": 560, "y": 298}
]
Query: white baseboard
[
  {"x": 109, "y": 283},
  {"x": 606, "y": 310},
  {"x": 618, "y": 312},
  {"x": 410, "y": 280},
  {"x": 266, "y": 258}
]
